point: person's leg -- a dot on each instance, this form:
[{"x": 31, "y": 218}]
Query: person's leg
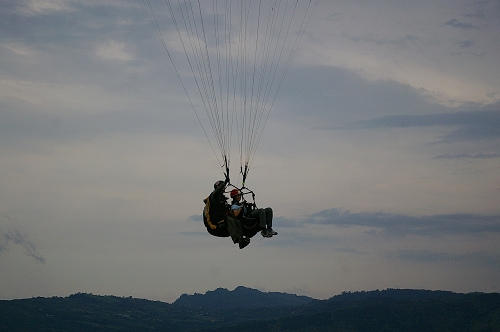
[
  {"x": 269, "y": 220},
  {"x": 261, "y": 214},
  {"x": 234, "y": 228},
  {"x": 269, "y": 217}
]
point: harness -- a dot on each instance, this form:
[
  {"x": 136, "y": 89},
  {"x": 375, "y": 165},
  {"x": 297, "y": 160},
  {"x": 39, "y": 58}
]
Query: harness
[
  {"x": 207, "y": 218},
  {"x": 214, "y": 227}
]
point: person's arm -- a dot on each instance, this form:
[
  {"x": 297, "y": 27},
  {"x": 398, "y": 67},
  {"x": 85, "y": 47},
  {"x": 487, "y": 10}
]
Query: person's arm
[
  {"x": 218, "y": 192},
  {"x": 236, "y": 211}
]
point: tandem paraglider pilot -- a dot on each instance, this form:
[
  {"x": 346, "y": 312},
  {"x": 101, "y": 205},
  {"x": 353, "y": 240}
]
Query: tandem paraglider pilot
[{"x": 216, "y": 218}]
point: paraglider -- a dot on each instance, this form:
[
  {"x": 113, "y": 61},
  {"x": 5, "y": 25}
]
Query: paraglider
[
  {"x": 217, "y": 219},
  {"x": 235, "y": 54},
  {"x": 221, "y": 220}
]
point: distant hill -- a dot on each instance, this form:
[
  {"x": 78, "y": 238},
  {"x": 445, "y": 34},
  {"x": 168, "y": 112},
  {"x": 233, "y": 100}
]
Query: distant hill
[
  {"x": 241, "y": 297},
  {"x": 246, "y": 309}
]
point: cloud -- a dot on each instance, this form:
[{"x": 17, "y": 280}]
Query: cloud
[
  {"x": 428, "y": 256},
  {"x": 466, "y": 43},
  {"x": 403, "y": 225},
  {"x": 480, "y": 155},
  {"x": 404, "y": 41},
  {"x": 19, "y": 49},
  {"x": 195, "y": 217},
  {"x": 43, "y": 7},
  {"x": 471, "y": 125},
  {"x": 18, "y": 238},
  {"x": 286, "y": 222},
  {"x": 114, "y": 50},
  {"x": 460, "y": 25}
]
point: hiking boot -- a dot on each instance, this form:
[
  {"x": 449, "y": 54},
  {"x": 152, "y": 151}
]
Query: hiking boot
[
  {"x": 271, "y": 232},
  {"x": 265, "y": 233}
]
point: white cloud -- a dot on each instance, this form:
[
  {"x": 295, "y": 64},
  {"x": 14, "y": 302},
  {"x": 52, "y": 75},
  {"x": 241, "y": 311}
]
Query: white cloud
[
  {"x": 43, "y": 7},
  {"x": 54, "y": 98},
  {"x": 20, "y": 49},
  {"x": 114, "y": 50}
]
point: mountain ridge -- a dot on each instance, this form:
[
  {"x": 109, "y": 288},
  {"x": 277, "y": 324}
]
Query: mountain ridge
[
  {"x": 240, "y": 297},
  {"x": 386, "y": 310}
]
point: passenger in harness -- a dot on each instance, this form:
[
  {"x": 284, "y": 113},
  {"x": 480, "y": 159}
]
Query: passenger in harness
[
  {"x": 216, "y": 218},
  {"x": 244, "y": 211}
]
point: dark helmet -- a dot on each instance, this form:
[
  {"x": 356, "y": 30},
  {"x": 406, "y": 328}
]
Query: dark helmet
[{"x": 218, "y": 183}]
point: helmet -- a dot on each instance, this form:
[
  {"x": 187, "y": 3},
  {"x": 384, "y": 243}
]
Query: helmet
[
  {"x": 218, "y": 183},
  {"x": 234, "y": 192}
]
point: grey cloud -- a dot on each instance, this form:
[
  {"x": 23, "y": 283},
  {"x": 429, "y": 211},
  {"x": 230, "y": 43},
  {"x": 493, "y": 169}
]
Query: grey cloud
[
  {"x": 460, "y": 25},
  {"x": 350, "y": 251},
  {"x": 428, "y": 256},
  {"x": 466, "y": 43},
  {"x": 469, "y": 156},
  {"x": 349, "y": 96},
  {"x": 471, "y": 125},
  {"x": 475, "y": 15},
  {"x": 398, "y": 42},
  {"x": 195, "y": 217},
  {"x": 295, "y": 238},
  {"x": 402, "y": 225},
  {"x": 193, "y": 234},
  {"x": 22, "y": 120},
  {"x": 285, "y": 222},
  {"x": 18, "y": 238}
]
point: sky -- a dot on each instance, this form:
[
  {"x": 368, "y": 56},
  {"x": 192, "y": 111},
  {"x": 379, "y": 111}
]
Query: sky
[{"x": 380, "y": 158}]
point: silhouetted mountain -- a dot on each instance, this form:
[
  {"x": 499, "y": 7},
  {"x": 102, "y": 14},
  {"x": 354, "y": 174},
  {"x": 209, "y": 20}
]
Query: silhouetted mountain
[
  {"x": 388, "y": 310},
  {"x": 241, "y": 297}
]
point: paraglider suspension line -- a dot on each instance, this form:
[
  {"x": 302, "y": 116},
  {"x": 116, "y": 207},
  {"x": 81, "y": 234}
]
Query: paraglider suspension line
[
  {"x": 226, "y": 172},
  {"x": 244, "y": 173}
]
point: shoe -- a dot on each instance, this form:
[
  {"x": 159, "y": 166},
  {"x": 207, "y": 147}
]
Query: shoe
[
  {"x": 244, "y": 242},
  {"x": 271, "y": 232},
  {"x": 265, "y": 233}
]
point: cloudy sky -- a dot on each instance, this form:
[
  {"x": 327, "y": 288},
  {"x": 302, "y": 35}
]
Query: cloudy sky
[{"x": 380, "y": 158}]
